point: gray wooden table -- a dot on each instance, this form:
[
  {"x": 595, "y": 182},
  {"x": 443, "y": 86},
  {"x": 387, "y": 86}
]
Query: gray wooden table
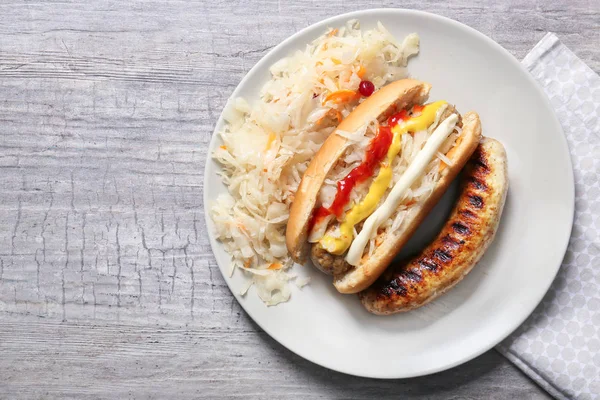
[{"x": 108, "y": 288}]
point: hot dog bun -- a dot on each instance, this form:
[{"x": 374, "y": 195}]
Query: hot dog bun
[
  {"x": 396, "y": 95},
  {"x": 393, "y": 97}
]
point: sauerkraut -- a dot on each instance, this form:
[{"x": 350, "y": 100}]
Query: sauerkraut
[{"x": 267, "y": 145}]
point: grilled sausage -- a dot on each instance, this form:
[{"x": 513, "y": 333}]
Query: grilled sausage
[{"x": 457, "y": 248}]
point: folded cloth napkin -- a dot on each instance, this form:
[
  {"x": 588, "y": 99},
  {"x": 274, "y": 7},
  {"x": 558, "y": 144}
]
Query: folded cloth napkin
[{"x": 559, "y": 345}]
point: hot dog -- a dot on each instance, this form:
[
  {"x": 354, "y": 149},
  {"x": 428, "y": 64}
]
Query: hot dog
[
  {"x": 375, "y": 179},
  {"x": 459, "y": 245}
]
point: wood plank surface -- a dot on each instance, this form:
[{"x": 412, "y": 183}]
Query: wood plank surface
[{"x": 108, "y": 287}]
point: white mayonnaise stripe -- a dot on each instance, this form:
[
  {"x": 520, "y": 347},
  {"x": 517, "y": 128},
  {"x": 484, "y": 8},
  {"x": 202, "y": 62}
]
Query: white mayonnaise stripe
[{"x": 414, "y": 170}]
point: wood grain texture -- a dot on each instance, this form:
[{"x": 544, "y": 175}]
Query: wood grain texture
[
  {"x": 108, "y": 288},
  {"x": 52, "y": 359}
]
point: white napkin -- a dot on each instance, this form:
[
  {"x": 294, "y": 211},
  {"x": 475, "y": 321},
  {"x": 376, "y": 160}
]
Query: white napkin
[{"x": 559, "y": 345}]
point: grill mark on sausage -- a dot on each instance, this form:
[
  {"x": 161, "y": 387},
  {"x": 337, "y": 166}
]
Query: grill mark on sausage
[
  {"x": 428, "y": 264},
  {"x": 467, "y": 214},
  {"x": 475, "y": 201},
  {"x": 413, "y": 275},
  {"x": 477, "y": 184},
  {"x": 460, "y": 228},
  {"x": 395, "y": 287},
  {"x": 450, "y": 242},
  {"x": 480, "y": 162},
  {"x": 442, "y": 255}
]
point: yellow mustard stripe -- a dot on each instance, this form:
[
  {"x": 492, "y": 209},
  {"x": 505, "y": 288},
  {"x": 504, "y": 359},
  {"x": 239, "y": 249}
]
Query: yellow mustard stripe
[{"x": 381, "y": 183}]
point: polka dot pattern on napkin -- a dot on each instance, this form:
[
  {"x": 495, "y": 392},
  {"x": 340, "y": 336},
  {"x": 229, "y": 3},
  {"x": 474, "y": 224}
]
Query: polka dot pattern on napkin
[{"x": 559, "y": 344}]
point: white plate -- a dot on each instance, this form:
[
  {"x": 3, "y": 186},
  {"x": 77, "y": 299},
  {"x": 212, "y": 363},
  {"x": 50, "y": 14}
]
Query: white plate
[{"x": 475, "y": 73}]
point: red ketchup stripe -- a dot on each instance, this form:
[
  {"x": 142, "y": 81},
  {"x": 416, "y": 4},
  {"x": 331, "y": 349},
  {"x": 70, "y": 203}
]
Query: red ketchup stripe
[
  {"x": 318, "y": 215},
  {"x": 403, "y": 115},
  {"x": 396, "y": 118},
  {"x": 376, "y": 152},
  {"x": 418, "y": 108}
]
